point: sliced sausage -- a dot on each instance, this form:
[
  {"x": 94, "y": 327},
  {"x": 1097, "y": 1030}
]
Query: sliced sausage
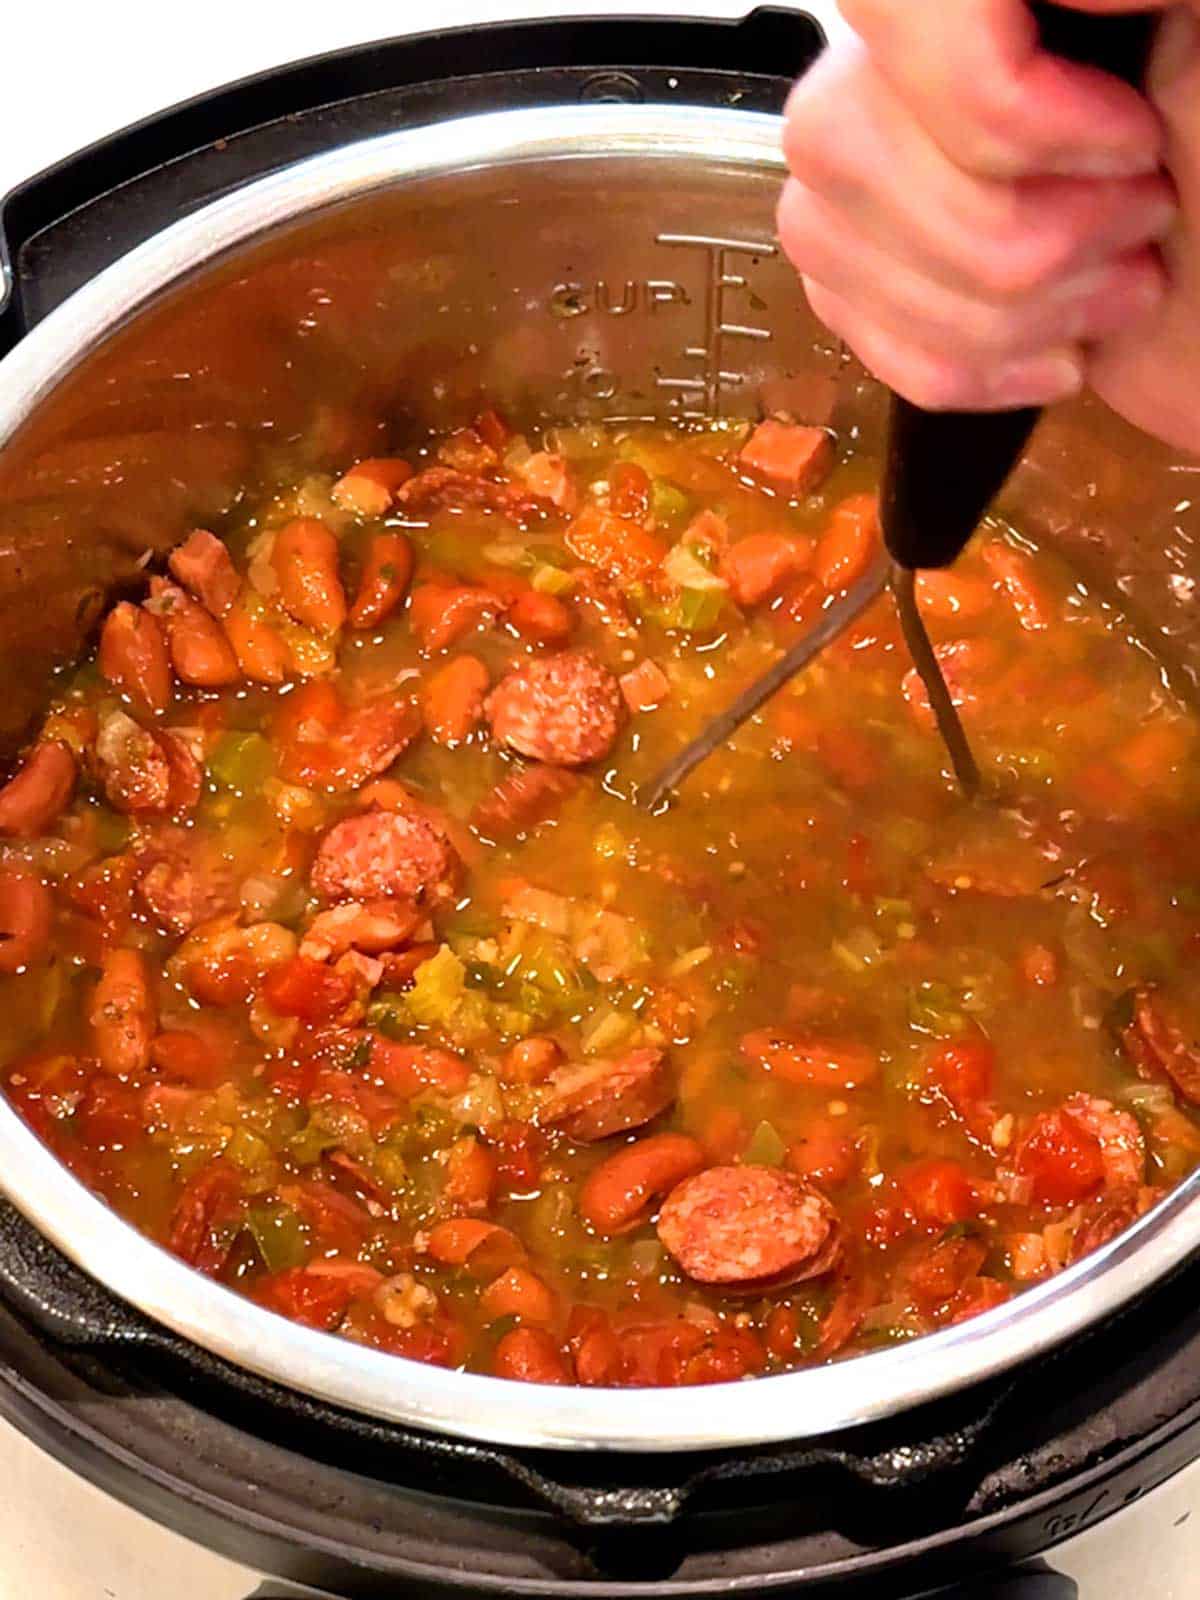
[
  {"x": 749, "y": 1228},
  {"x": 1161, "y": 1044},
  {"x": 203, "y": 566},
  {"x": 385, "y": 854},
  {"x": 523, "y": 798},
  {"x": 122, "y": 1014},
  {"x": 134, "y": 766},
  {"x": 447, "y": 486},
  {"x": 1122, "y": 1147},
  {"x": 25, "y": 916},
  {"x": 619, "y": 1194},
  {"x": 38, "y": 794},
  {"x": 564, "y": 709},
  {"x": 182, "y": 885},
  {"x": 592, "y": 1099}
]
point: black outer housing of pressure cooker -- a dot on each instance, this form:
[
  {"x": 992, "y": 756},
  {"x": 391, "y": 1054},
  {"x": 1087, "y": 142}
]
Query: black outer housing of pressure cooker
[{"x": 952, "y": 1499}]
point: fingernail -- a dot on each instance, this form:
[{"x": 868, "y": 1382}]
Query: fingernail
[{"x": 1038, "y": 382}]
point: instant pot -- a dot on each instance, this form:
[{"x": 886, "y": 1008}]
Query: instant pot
[{"x": 568, "y": 219}]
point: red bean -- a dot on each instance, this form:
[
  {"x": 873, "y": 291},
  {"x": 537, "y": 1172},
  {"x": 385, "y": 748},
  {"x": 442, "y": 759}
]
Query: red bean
[
  {"x": 532, "y": 1356},
  {"x": 37, "y": 795},
  {"x": 26, "y": 912},
  {"x": 618, "y": 1194}
]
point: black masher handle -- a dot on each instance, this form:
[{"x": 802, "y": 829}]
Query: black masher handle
[{"x": 943, "y": 468}]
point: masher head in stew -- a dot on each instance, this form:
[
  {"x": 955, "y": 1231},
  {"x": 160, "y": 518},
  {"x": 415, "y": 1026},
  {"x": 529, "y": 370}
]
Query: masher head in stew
[{"x": 834, "y": 620}]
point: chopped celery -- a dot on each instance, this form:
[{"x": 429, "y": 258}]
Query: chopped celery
[
  {"x": 519, "y": 557},
  {"x": 279, "y": 1235},
  {"x": 431, "y": 1128},
  {"x": 1156, "y": 953},
  {"x": 608, "y": 841},
  {"x": 766, "y": 1148},
  {"x": 668, "y": 501},
  {"x": 697, "y": 609},
  {"x": 242, "y": 762},
  {"x": 550, "y": 580},
  {"x": 388, "y": 1166},
  {"x": 437, "y": 990},
  {"x": 253, "y": 1155},
  {"x": 112, "y": 830},
  {"x": 689, "y": 567},
  {"x": 605, "y": 1029},
  {"x": 936, "y": 1008},
  {"x": 329, "y": 1127}
]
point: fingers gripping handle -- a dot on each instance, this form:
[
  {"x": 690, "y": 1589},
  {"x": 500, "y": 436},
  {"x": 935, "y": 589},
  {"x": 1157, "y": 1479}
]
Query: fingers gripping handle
[{"x": 941, "y": 469}]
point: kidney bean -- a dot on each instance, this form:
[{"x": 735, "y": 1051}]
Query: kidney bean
[
  {"x": 122, "y": 1015},
  {"x": 38, "y": 793},
  {"x": 618, "y": 1195},
  {"x": 530, "y": 1355},
  {"x": 304, "y": 558},
  {"x": 26, "y": 912}
]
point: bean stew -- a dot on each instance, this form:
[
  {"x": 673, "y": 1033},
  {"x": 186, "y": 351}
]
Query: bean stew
[{"x": 335, "y": 957}]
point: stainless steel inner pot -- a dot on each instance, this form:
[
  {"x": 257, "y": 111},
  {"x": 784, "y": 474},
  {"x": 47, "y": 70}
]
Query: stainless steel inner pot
[{"x": 597, "y": 262}]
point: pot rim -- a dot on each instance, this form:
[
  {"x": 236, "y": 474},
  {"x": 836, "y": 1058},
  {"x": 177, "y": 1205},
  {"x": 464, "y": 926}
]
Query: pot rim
[{"x": 791, "y": 1406}]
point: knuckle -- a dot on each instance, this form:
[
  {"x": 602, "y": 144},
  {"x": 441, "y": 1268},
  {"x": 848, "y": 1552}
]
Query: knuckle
[{"x": 1024, "y": 264}]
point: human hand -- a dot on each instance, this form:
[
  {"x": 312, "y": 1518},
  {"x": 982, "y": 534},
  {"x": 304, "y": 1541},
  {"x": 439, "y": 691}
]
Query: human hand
[{"x": 988, "y": 226}]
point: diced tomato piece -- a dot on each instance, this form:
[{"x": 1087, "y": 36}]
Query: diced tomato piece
[
  {"x": 941, "y": 1268},
  {"x": 316, "y": 1296},
  {"x": 645, "y": 686},
  {"x": 1063, "y": 1160},
  {"x": 976, "y": 1296},
  {"x": 307, "y": 989},
  {"x": 594, "y": 1346},
  {"x": 938, "y": 1192},
  {"x": 618, "y": 546},
  {"x": 963, "y": 1070},
  {"x": 111, "y": 1114},
  {"x": 519, "y": 1149},
  {"x": 1039, "y": 965},
  {"x": 441, "y": 613},
  {"x": 757, "y": 567},
  {"x": 202, "y": 1228},
  {"x": 629, "y": 490}
]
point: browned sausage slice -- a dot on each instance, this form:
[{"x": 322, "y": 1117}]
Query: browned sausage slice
[
  {"x": 749, "y": 1228},
  {"x": 593, "y": 1099},
  {"x": 523, "y": 798},
  {"x": 202, "y": 565},
  {"x": 37, "y": 795},
  {"x": 564, "y": 709},
  {"x": 25, "y": 914},
  {"x": 385, "y": 854}
]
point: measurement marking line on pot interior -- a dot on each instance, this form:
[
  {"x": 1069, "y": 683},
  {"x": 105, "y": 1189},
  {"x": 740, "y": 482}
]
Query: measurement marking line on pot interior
[{"x": 707, "y": 388}]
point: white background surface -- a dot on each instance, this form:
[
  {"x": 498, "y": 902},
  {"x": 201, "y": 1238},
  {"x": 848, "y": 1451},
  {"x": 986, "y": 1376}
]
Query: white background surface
[{"x": 72, "y": 73}]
